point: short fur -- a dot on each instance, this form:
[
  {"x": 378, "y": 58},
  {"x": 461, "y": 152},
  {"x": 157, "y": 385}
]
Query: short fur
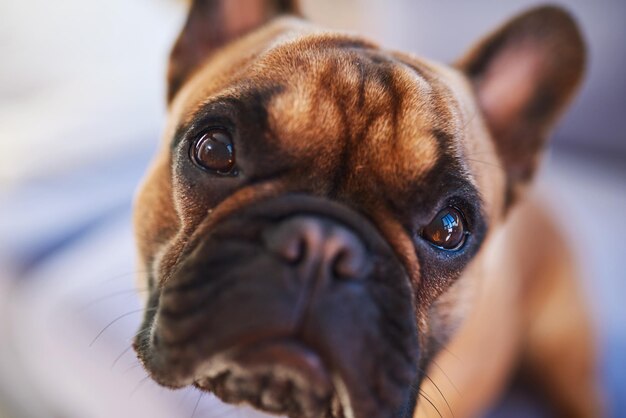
[{"x": 379, "y": 141}]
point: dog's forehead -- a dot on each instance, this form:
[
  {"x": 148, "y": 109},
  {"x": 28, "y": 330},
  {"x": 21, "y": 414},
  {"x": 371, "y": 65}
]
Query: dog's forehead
[
  {"x": 398, "y": 114},
  {"x": 336, "y": 94},
  {"x": 308, "y": 66}
]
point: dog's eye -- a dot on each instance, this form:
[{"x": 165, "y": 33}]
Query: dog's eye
[
  {"x": 213, "y": 151},
  {"x": 447, "y": 230}
]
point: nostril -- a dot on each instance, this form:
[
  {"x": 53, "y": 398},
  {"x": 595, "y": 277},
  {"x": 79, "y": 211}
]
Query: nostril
[
  {"x": 294, "y": 240},
  {"x": 290, "y": 247},
  {"x": 293, "y": 251},
  {"x": 343, "y": 268},
  {"x": 319, "y": 244},
  {"x": 349, "y": 265},
  {"x": 347, "y": 256}
]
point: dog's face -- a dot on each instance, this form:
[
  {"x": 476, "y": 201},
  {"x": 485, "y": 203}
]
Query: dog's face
[{"x": 315, "y": 216}]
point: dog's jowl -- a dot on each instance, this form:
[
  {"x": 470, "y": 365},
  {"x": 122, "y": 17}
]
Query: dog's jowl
[{"x": 327, "y": 220}]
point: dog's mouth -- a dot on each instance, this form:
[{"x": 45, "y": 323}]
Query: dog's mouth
[
  {"x": 293, "y": 314},
  {"x": 281, "y": 376}
]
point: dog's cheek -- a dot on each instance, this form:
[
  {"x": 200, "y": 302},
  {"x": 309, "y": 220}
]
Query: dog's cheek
[
  {"x": 451, "y": 307},
  {"x": 155, "y": 219}
]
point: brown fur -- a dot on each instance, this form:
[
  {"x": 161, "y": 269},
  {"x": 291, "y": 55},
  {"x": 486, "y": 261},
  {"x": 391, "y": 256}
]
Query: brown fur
[
  {"x": 368, "y": 128},
  {"x": 527, "y": 306}
]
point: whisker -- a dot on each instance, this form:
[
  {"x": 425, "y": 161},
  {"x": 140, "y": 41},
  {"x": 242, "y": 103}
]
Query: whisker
[
  {"x": 197, "y": 403},
  {"x": 495, "y": 165},
  {"x": 109, "y": 296},
  {"x": 184, "y": 397},
  {"x": 73, "y": 294},
  {"x": 96, "y": 283},
  {"x": 132, "y": 366},
  {"x": 117, "y": 319},
  {"x": 447, "y": 377},
  {"x": 440, "y": 393},
  {"x": 121, "y": 276},
  {"x": 469, "y": 121},
  {"x": 444, "y": 347},
  {"x": 138, "y": 385},
  {"x": 423, "y": 395},
  {"x": 479, "y": 152},
  {"x": 142, "y": 329},
  {"x": 126, "y": 350}
]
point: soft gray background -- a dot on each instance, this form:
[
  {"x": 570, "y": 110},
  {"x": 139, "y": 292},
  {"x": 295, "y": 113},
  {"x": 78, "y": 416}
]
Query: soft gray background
[{"x": 81, "y": 108}]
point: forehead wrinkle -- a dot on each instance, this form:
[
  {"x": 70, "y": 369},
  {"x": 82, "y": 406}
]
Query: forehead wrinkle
[
  {"x": 444, "y": 92},
  {"x": 460, "y": 118},
  {"x": 303, "y": 77},
  {"x": 394, "y": 117},
  {"x": 335, "y": 73},
  {"x": 452, "y": 126},
  {"x": 408, "y": 135}
]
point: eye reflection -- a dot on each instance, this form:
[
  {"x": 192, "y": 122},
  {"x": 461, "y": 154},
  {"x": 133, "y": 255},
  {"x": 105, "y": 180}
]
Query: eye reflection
[
  {"x": 446, "y": 230},
  {"x": 214, "y": 151},
  {"x": 449, "y": 223}
]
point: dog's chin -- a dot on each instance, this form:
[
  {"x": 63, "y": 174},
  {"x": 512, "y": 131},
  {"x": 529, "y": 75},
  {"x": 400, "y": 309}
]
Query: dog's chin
[
  {"x": 281, "y": 376},
  {"x": 338, "y": 373},
  {"x": 299, "y": 375},
  {"x": 286, "y": 377}
]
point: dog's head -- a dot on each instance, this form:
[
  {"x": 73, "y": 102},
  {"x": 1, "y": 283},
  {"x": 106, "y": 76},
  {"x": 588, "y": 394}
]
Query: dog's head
[{"x": 318, "y": 202}]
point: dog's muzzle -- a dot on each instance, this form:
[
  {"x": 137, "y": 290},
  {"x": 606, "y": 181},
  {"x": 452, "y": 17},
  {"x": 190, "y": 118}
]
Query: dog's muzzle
[{"x": 297, "y": 306}]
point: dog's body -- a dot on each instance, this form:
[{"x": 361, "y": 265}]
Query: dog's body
[
  {"x": 333, "y": 230},
  {"x": 524, "y": 328}
]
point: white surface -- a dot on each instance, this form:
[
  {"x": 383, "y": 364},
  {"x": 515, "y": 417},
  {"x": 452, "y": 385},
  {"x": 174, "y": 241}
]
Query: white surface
[{"x": 80, "y": 80}]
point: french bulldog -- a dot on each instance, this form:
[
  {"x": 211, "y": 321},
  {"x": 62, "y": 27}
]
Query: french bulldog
[{"x": 332, "y": 229}]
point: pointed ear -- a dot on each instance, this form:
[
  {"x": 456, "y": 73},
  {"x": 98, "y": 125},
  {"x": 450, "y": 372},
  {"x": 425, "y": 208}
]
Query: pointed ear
[
  {"x": 212, "y": 24},
  {"x": 524, "y": 74}
]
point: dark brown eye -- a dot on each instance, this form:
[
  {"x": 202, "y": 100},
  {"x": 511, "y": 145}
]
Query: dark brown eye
[
  {"x": 214, "y": 151},
  {"x": 447, "y": 230}
]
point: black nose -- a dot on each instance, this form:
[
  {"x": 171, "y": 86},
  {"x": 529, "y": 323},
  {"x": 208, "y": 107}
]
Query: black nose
[{"x": 320, "y": 243}]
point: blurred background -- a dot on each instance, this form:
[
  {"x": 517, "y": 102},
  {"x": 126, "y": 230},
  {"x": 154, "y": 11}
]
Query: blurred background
[{"x": 81, "y": 109}]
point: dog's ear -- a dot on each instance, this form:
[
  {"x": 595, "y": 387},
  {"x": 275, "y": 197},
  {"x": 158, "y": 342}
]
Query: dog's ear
[
  {"x": 212, "y": 24},
  {"x": 524, "y": 74}
]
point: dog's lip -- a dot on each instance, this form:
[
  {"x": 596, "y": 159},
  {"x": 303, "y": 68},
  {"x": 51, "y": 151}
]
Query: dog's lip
[
  {"x": 274, "y": 355},
  {"x": 280, "y": 375},
  {"x": 288, "y": 354}
]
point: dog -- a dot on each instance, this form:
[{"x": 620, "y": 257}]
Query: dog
[{"x": 331, "y": 229}]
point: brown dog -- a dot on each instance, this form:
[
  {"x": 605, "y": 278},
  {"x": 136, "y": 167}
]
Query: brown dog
[{"x": 336, "y": 230}]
